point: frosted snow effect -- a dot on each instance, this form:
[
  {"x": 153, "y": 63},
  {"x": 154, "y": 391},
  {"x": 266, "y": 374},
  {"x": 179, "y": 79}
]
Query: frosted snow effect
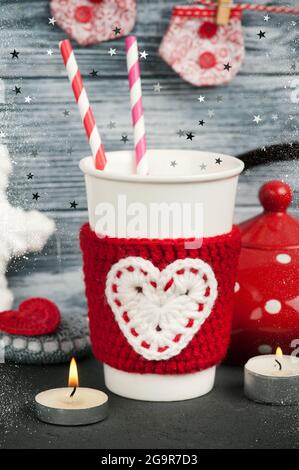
[
  {"x": 20, "y": 231},
  {"x": 2, "y": 351}
]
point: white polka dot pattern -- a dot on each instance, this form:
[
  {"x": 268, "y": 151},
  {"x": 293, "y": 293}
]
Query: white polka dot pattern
[
  {"x": 265, "y": 349},
  {"x": 237, "y": 287},
  {"x": 256, "y": 313},
  {"x": 273, "y": 306},
  {"x": 283, "y": 258}
]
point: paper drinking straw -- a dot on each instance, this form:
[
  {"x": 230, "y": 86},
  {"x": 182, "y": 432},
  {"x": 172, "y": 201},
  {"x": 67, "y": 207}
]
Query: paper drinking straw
[
  {"x": 136, "y": 105},
  {"x": 83, "y": 104}
]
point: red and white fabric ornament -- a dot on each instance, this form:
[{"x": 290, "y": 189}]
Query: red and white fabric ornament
[
  {"x": 200, "y": 51},
  {"x": 94, "y": 21}
]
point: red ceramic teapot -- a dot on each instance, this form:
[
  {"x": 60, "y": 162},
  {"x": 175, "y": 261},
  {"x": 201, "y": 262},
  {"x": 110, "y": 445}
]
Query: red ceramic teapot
[{"x": 266, "y": 313}]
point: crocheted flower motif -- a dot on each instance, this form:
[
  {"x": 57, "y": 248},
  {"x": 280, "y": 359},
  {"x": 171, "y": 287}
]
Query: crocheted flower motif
[
  {"x": 159, "y": 312},
  {"x": 92, "y": 21},
  {"x": 197, "y": 49}
]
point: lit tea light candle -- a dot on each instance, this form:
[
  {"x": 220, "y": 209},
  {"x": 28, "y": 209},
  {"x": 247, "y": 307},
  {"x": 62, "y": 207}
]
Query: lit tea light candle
[
  {"x": 273, "y": 379},
  {"x": 72, "y": 405}
]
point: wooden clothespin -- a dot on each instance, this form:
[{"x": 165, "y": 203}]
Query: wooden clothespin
[{"x": 223, "y": 12}]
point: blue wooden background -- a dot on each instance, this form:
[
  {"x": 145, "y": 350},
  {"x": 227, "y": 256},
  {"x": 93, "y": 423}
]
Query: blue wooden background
[{"x": 44, "y": 141}]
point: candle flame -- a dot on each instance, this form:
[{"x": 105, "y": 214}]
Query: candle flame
[
  {"x": 73, "y": 374},
  {"x": 279, "y": 351}
]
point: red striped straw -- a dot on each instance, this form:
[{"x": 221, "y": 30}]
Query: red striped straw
[
  {"x": 136, "y": 105},
  {"x": 83, "y": 104}
]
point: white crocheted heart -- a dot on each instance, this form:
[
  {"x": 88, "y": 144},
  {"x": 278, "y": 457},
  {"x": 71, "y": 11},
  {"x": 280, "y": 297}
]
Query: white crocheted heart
[{"x": 159, "y": 312}]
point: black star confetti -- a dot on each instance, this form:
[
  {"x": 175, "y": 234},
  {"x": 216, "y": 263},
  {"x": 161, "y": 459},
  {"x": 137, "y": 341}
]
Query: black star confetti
[
  {"x": 124, "y": 139},
  {"x": 261, "y": 34},
  {"x": 17, "y": 90},
  {"x": 218, "y": 160},
  {"x": 66, "y": 113},
  {"x": 181, "y": 133},
  {"x": 30, "y": 176},
  {"x": 173, "y": 163},
  {"x": 35, "y": 196},
  {"x": 190, "y": 135},
  {"x": 73, "y": 205},
  {"x": 34, "y": 153},
  {"x": 227, "y": 66},
  {"x": 203, "y": 166},
  {"x": 14, "y": 54},
  {"x": 116, "y": 30},
  {"x": 201, "y": 122},
  {"x": 94, "y": 73}
]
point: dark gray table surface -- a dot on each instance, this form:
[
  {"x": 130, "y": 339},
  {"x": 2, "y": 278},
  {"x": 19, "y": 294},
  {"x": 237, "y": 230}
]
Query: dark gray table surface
[{"x": 222, "y": 419}]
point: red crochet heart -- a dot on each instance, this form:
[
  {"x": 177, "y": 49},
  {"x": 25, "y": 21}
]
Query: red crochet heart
[{"x": 35, "y": 317}]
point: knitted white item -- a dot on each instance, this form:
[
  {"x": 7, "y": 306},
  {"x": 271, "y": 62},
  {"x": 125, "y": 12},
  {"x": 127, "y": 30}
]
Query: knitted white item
[
  {"x": 159, "y": 312},
  {"x": 20, "y": 231}
]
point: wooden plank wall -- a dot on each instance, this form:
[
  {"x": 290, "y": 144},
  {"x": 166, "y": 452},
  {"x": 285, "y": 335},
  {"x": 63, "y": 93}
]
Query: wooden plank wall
[{"x": 47, "y": 143}]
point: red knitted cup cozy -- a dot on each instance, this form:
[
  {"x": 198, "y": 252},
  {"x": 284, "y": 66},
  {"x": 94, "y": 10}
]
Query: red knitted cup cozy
[{"x": 159, "y": 306}]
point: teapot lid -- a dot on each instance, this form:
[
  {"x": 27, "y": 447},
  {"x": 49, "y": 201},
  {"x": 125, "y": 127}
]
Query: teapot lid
[{"x": 274, "y": 228}]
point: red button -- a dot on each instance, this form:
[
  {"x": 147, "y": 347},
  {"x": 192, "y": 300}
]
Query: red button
[
  {"x": 207, "y": 30},
  {"x": 207, "y": 60},
  {"x": 83, "y": 14}
]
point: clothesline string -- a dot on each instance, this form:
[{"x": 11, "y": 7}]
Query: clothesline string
[{"x": 249, "y": 6}]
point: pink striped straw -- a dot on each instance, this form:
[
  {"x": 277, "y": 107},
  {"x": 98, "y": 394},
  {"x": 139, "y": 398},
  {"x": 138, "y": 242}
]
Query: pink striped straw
[
  {"x": 83, "y": 104},
  {"x": 136, "y": 105}
]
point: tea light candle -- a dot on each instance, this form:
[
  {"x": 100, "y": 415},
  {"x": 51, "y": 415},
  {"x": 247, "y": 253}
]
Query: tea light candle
[
  {"x": 72, "y": 405},
  {"x": 272, "y": 379}
]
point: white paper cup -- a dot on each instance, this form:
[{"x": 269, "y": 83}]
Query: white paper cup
[
  {"x": 196, "y": 192},
  {"x": 186, "y": 184}
]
